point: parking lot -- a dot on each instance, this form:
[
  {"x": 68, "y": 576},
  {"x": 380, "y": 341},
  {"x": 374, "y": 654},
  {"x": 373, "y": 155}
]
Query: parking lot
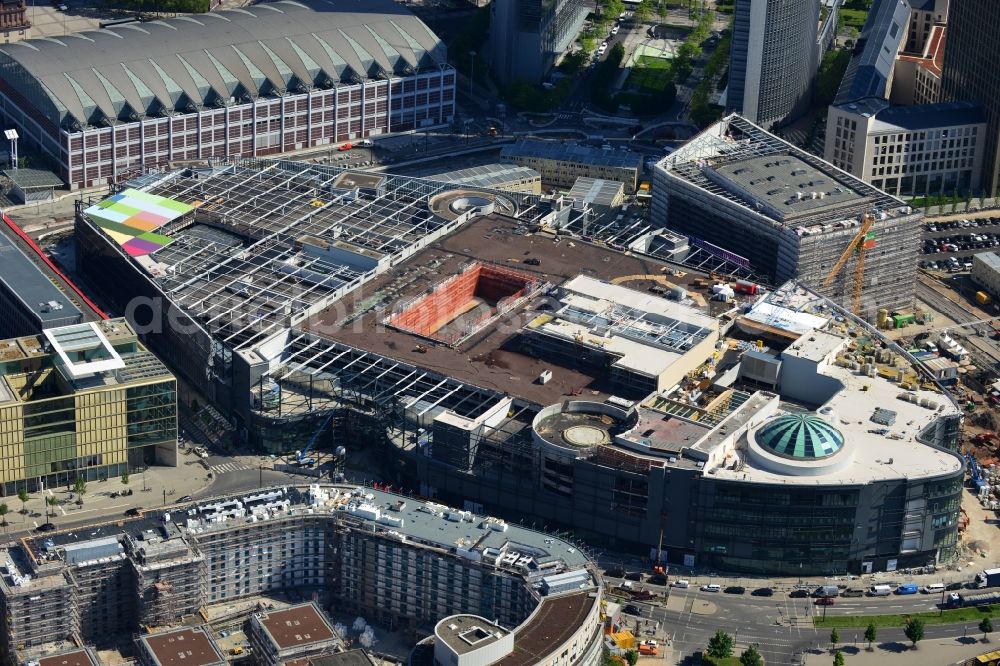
[{"x": 949, "y": 245}]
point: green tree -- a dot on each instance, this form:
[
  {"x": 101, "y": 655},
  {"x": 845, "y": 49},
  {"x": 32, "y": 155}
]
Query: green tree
[
  {"x": 751, "y": 657},
  {"x": 644, "y": 12},
  {"x": 986, "y": 626},
  {"x": 831, "y": 71},
  {"x": 80, "y": 488},
  {"x": 50, "y": 503},
  {"x": 720, "y": 646},
  {"x": 871, "y": 633},
  {"x": 613, "y": 9},
  {"x": 22, "y": 495},
  {"x": 834, "y": 638},
  {"x": 4, "y": 509},
  {"x": 632, "y": 657},
  {"x": 914, "y": 630},
  {"x": 838, "y": 658},
  {"x": 124, "y": 478}
]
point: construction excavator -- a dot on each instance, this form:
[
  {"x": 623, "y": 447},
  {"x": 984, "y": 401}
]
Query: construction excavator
[{"x": 862, "y": 241}]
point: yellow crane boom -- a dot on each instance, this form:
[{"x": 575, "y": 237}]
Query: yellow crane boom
[{"x": 857, "y": 244}]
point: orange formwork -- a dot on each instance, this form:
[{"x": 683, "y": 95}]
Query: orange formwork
[{"x": 490, "y": 289}]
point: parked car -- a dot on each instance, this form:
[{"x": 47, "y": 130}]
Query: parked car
[
  {"x": 185, "y": 498},
  {"x": 682, "y": 583},
  {"x": 735, "y": 589},
  {"x": 134, "y": 511},
  {"x": 798, "y": 594},
  {"x": 631, "y": 609},
  {"x": 634, "y": 575},
  {"x": 614, "y": 573},
  {"x": 824, "y": 601},
  {"x": 954, "y": 586},
  {"x": 853, "y": 592},
  {"x": 762, "y": 592},
  {"x": 711, "y": 587},
  {"x": 657, "y": 579},
  {"x": 45, "y": 527}
]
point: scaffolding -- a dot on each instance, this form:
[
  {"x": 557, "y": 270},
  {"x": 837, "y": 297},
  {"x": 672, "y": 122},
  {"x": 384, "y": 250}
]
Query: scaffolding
[{"x": 806, "y": 240}]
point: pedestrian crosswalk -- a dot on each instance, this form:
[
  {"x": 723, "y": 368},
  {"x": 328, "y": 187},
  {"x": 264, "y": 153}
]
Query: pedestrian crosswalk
[{"x": 235, "y": 466}]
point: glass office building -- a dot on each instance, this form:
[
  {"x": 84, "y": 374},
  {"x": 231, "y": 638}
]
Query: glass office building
[{"x": 83, "y": 401}]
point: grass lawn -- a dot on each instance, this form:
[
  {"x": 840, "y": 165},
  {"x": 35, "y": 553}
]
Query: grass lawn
[
  {"x": 932, "y": 617},
  {"x": 852, "y": 18},
  {"x": 650, "y": 74},
  {"x": 726, "y": 661}
]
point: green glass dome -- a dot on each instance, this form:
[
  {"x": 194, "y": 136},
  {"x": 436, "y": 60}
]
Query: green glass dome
[{"x": 800, "y": 437}]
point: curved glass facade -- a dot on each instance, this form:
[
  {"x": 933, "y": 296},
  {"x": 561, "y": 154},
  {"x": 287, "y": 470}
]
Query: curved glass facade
[{"x": 775, "y": 529}]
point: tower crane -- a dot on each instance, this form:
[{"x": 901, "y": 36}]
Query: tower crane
[{"x": 857, "y": 245}]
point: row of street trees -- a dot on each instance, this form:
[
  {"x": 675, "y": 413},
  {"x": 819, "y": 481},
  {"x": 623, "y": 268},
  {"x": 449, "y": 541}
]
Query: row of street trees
[
  {"x": 721, "y": 645},
  {"x": 51, "y": 501}
]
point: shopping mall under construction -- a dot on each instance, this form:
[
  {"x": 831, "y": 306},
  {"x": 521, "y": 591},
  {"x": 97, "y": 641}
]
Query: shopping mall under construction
[{"x": 505, "y": 365}]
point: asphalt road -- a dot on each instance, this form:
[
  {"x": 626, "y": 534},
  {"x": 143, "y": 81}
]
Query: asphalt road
[{"x": 781, "y": 627}]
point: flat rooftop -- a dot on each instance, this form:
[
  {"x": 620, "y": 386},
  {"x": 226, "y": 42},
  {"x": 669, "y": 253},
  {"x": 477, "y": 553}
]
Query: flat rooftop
[
  {"x": 490, "y": 359},
  {"x": 787, "y": 184},
  {"x": 296, "y": 626},
  {"x": 35, "y": 288},
  {"x": 597, "y": 191},
  {"x": 487, "y": 175},
  {"x": 444, "y": 527},
  {"x": 190, "y": 646},
  {"x": 465, "y": 633},
  {"x": 564, "y": 151},
  {"x": 552, "y": 623},
  {"x": 81, "y": 657},
  {"x": 711, "y": 159},
  {"x": 880, "y": 451}
]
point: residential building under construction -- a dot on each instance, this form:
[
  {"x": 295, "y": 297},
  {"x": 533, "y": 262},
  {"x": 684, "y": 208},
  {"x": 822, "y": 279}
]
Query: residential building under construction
[
  {"x": 790, "y": 215},
  {"x": 401, "y": 563}
]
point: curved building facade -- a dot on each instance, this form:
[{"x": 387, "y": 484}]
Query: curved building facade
[
  {"x": 409, "y": 566},
  {"x": 271, "y": 78}
]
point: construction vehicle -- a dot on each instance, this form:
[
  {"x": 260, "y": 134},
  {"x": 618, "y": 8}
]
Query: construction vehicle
[
  {"x": 345, "y": 146},
  {"x": 985, "y": 438},
  {"x": 301, "y": 457},
  {"x": 858, "y": 245},
  {"x": 975, "y": 474},
  {"x": 983, "y": 298},
  {"x": 649, "y": 647}
]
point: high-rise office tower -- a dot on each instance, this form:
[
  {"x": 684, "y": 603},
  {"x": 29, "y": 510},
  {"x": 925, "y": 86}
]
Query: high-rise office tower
[
  {"x": 526, "y": 36},
  {"x": 776, "y": 49},
  {"x": 972, "y": 71}
]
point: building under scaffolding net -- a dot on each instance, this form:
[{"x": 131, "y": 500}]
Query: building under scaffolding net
[{"x": 789, "y": 214}]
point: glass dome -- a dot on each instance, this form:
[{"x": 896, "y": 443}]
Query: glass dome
[{"x": 800, "y": 437}]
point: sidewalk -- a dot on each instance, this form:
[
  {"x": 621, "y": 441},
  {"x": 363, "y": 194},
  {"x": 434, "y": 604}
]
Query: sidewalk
[
  {"x": 160, "y": 483},
  {"x": 930, "y": 652}
]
